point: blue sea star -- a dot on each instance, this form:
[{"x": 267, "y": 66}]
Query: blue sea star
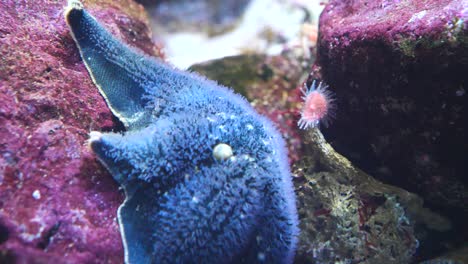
[{"x": 206, "y": 178}]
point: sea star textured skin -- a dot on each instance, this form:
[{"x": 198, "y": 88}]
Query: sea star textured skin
[{"x": 206, "y": 178}]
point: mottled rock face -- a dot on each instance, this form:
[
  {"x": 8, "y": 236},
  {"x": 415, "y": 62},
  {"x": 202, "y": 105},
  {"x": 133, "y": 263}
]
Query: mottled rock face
[
  {"x": 347, "y": 215},
  {"x": 398, "y": 69},
  {"x": 56, "y": 201}
]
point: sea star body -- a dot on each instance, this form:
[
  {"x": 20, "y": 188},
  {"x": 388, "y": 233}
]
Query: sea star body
[{"x": 206, "y": 178}]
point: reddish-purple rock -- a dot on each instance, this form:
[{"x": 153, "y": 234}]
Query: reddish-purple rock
[
  {"x": 57, "y": 204},
  {"x": 399, "y": 72}
]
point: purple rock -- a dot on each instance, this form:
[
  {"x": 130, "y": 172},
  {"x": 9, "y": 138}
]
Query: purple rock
[
  {"x": 57, "y": 204},
  {"x": 399, "y": 72}
]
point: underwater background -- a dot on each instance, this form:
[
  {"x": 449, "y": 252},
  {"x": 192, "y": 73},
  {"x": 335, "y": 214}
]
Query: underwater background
[{"x": 384, "y": 182}]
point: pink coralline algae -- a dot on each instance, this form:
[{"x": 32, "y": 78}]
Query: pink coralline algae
[{"x": 57, "y": 204}]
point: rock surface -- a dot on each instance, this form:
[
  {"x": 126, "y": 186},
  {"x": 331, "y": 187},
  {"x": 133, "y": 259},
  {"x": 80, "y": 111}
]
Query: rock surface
[
  {"x": 349, "y": 217},
  {"x": 57, "y": 204},
  {"x": 398, "y": 69}
]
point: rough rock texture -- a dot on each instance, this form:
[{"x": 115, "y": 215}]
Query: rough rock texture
[
  {"x": 349, "y": 217},
  {"x": 57, "y": 204},
  {"x": 399, "y": 72}
]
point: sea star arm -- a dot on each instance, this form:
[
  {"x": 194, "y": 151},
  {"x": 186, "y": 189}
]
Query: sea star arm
[
  {"x": 161, "y": 153},
  {"x": 145, "y": 155},
  {"x": 130, "y": 81}
]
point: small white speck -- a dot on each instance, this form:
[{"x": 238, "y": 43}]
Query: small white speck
[
  {"x": 261, "y": 256},
  {"x": 194, "y": 199},
  {"x": 259, "y": 239},
  {"x": 36, "y": 194},
  {"x": 221, "y": 127},
  {"x": 211, "y": 136},
  {"x": 460, "y": 92},
  {"x": 417, "y": 16},
  {"x": 222, "y": 115},
  {"x": 89, "y": 58},
  {"x": 249, "y": 127},
  {"x": 248, "y": 157}
]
